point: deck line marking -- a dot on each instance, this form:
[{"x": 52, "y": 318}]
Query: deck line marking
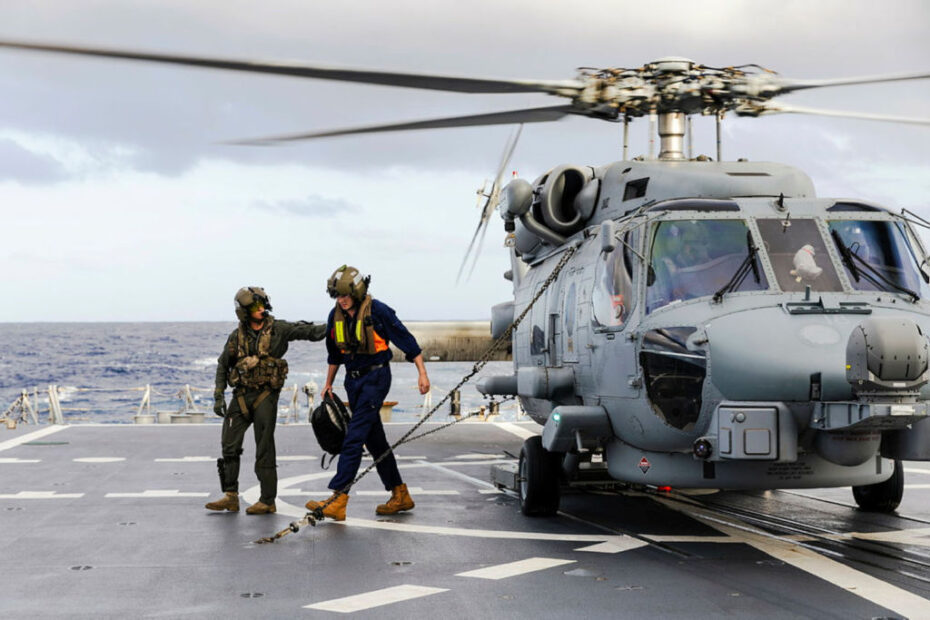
[
  {"x": 188, "y": 459},
  {"x": 628, "y": 543},
  {"x": 297, "y": 457},
  {"x": 916, "y": 470},
  {"x": 513, "y": 569},
  {"x": 457, "y": 474},
  {"x": 41, "y": 495},
  {"x": 375, "y": 598},
  {"x": 252, "y": 495},
  {"x": 42, "y": 432},
  {"x": 16, "y": 460},
  {"x": 849, "y": 579},
  {"x": 157, "y": 493},
  {"x": 917, "y": 486},
  {"x": 519, "y": 431},
  {"x": 328, "y": 492}
]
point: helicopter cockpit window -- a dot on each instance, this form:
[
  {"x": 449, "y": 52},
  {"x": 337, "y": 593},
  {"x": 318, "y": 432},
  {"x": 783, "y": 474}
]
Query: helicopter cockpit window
[
  {"x": 798, "y": 255},
  {"x": 880, "y": 256},
  {"x": 696, "y": 258},
  {"x": 613, "y": 283}
]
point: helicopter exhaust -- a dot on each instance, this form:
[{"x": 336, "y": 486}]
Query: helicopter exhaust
[
  {"x": 886, "y": 364},
  {"x": 559, "y": 205}
]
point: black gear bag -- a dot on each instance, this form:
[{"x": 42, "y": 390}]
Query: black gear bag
[{"x": 330, "y": 421}]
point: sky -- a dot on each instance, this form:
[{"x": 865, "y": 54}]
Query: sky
[{"x": 121, "y": 202}]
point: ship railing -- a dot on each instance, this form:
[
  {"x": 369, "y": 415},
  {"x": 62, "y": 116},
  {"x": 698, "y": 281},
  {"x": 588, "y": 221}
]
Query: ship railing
[{"x": 27, "y": 407}]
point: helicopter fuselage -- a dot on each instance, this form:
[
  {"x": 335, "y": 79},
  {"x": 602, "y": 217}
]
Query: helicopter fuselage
[{"x": 706, "y": 330}]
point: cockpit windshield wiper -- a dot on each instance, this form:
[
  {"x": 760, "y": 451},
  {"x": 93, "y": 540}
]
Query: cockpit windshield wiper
[
  {"x": 749, "y": 264},
  {"x": 867, "y": 271}
]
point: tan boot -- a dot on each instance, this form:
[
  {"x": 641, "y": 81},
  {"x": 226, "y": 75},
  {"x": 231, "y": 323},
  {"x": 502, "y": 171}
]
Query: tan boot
[
  {"x": 258, "y": 508},
  {"x": 229, "y": 502},
  {"x": 335, "y": 509},
  {"x": 400, "y": 501}
]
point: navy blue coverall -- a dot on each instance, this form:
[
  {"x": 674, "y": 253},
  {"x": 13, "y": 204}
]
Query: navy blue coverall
[{"x": 366, "y": 388}]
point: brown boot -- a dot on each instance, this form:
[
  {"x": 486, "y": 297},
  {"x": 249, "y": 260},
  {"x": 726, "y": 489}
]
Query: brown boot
[
  {"x": 335, "y": 509},
  {"x": 400, "y": 501},
  {"x": 259, "y": 508},
  {"x": 229, "y": 502}
]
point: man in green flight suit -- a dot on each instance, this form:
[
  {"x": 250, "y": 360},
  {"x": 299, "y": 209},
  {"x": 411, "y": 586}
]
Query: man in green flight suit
[{"x": 252, "y": 363}]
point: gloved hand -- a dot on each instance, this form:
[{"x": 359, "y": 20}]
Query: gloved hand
[{"x": 219, "y": 404}]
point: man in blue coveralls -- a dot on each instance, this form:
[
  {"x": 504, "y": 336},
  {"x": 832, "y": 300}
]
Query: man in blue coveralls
[{"x": 359, "y": 330}]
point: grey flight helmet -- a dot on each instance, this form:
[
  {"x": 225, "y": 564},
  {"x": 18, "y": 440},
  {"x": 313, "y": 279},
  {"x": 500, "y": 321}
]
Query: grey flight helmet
[{"x": 248, "y": 295}]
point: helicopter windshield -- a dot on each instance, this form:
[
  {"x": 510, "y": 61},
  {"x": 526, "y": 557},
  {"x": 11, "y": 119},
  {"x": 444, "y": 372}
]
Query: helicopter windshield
[
  {"x": 799, "y": 255},
  {"x": 695, "y": 258},
  {"x": 882, "y": 252}
]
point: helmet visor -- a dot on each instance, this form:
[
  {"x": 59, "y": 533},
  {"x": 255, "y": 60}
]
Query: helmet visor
[{"x": 255, "y": 306}]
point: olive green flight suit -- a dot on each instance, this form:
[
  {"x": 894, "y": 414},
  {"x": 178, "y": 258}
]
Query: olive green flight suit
[{"x": 264, "y": 417}]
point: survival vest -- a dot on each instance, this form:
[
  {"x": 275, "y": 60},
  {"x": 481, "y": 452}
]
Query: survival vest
[
  {"x": 360, "y": 337},
  {"x": 256, "y": 371}
]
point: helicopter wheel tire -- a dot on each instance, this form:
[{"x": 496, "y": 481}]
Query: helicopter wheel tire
[
  {"x": 540, "y": 475},
  {"x": 882, "y": 496}
]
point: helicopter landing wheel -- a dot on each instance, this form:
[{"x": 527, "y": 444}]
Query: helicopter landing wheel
[
  {"x": 882, "y": 496},
  {"x": 540, "y": 475}
]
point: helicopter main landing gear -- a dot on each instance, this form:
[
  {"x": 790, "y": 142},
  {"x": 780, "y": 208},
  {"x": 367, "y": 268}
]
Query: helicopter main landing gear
[
  {"x": 882, "y": 496},
  {"x": 540, "y": 473}
]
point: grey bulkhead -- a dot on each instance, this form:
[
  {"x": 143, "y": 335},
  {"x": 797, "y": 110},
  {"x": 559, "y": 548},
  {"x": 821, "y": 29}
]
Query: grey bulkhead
[{"x": 757, "y": 352}]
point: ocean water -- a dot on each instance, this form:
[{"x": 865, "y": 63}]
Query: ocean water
[{"x": 102, "y": 369}]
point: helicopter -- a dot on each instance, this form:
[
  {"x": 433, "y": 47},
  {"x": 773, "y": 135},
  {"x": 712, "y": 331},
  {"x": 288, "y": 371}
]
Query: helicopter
[{"x": 686, "y": 321}]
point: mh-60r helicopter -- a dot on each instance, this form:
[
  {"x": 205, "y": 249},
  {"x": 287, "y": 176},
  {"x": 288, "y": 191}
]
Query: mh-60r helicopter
[{"x": 690, "y": 322}]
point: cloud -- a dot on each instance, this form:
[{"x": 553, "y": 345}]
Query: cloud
[
  {"x": 314, "y": 206},
  {"x": 21, "y": 165}
]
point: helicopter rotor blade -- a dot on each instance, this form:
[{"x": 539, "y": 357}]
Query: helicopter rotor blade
[
  {"x": 385, "y": 78},
  {"x": 787, "y": 86},
  {"x": 525, "y": 115},
  {"x": 777, "y": 108},
  {"x": 493, "y": 197}
]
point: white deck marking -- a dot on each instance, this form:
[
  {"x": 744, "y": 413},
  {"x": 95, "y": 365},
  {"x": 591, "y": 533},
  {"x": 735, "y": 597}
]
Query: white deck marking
[
  {"x": 490, "y": 491},
  {"x": 42, "y": 432},
  {"x": 328, "y": 492},
  {"x": 474, "y": 457},
  {"x": 512, "y": 569},
  {"x": 457, "y": 474},
  {"x": 157, "y": 493},
  {"x": 99, "y": 459},
  {"x": 616, "y": 545},
  {"x": 41, "y": 495},
  {"x": 188, "y": 459},
  {"x": 15, "y": 460},
  {"x": 252, "y": 495},
  {"x": 917, "y": 486},
  {"x": 840, "y": 575},
  {"x": 916, "y": 470},
  {"x": 367, "y": 457},
  {"x": 297, "y": 457},
  {"x": 516, "y": 429},
  {"x": 375, "y": 598}
]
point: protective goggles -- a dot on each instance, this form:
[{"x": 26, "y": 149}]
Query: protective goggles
[{"x": 255, "y": 305}]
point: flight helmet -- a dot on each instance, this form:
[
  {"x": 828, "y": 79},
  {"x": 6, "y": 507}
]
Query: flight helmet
[
  {"x": 348, "y": 281},
  {"x": 246, "y": 299}
]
